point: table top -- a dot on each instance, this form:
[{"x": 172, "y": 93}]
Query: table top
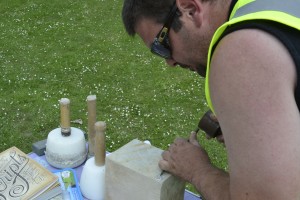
[{"x": 42, "y": 160}]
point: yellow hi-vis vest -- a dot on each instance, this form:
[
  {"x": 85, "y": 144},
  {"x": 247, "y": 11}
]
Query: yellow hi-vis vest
[{"x": 283, "y": 11}]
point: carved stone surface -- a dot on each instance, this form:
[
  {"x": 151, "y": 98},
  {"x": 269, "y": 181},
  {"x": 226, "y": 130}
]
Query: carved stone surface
[{"x": 132, "y": 172}]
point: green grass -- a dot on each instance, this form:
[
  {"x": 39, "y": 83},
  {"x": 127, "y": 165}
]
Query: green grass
[{"x": 55, "y": 49}]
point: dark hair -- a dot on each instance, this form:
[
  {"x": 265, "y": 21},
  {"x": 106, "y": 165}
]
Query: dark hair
[{"x": 157, "y": 10}]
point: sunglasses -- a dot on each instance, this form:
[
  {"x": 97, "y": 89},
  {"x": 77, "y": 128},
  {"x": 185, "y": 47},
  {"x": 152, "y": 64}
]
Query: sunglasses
[{"x": 161, "y": 43}]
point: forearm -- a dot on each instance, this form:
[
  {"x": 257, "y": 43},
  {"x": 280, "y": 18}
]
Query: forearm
[{"x": 213, "y": 184}]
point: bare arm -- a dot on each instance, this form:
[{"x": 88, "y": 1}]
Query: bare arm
[{"x": 252, "y": 83}]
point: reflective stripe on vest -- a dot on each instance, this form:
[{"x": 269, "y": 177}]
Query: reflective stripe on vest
[
  {"x": 287, "y": 6},
  {"x": 283, "y": 11}
]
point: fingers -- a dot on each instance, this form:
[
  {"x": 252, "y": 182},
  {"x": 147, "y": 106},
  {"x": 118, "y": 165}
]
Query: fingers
[
  {"x": 220, "y": 139},
  {"x": 165, "y": 155},
  {"x": 180, "y": 141},
  {"x": 193, "y": 138},
  {"x": 208, "y": 136},
  {"x": 213, "y": 117},
  {"x": 163, "y": 163}
]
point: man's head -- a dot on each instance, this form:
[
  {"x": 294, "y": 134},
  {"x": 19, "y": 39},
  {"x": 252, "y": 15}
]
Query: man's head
[
  {"x": 135, "y": 10},
  {"x": 180, "y": 31}
]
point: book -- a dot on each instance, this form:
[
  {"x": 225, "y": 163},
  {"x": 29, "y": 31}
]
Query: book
[
  {"x": 22, "y": 178},
  {"x": 69, "y": 185},
  {"x": 51, "y": 194}
]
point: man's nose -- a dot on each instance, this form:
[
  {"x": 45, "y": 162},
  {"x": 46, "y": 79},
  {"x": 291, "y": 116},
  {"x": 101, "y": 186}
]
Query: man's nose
[{"x": 171, "y": 62}]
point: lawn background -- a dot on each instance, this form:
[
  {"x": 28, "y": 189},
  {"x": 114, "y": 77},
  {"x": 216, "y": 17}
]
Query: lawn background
[{"x": 55, "y": 49}]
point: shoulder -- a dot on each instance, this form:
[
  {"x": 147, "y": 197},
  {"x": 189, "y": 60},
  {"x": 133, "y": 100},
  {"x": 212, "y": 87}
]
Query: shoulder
[{"x": 251, "y": 58}]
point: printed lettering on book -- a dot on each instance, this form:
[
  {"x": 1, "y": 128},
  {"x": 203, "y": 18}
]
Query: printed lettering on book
[{"x": 21, "y": 177}]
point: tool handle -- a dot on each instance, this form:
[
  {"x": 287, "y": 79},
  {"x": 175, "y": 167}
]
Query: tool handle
[
  {"x": 65, "y": 116},
  {"x": 91, "y": 103},
  {"x": 100, "y": 152}
]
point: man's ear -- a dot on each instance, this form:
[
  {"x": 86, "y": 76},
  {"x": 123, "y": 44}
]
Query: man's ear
[{"x": 192, "y": 9}]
